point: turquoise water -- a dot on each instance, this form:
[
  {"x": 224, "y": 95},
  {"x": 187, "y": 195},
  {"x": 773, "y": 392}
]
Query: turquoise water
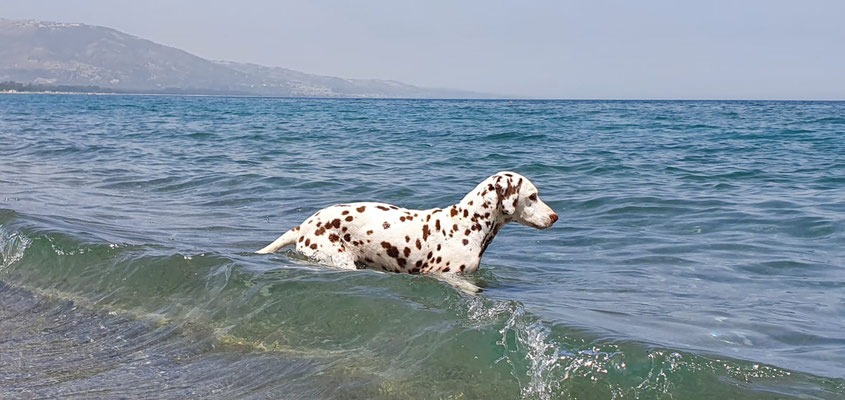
[{"x": 699, "y": 252}]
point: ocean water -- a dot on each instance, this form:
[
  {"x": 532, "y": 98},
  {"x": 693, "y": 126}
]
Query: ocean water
[{"x": 700, "y": 251}]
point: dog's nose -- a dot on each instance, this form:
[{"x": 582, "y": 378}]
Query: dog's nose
[{"x": 553, "y": 217}]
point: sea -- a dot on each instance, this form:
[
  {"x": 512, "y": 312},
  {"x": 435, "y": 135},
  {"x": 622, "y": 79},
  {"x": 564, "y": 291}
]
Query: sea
[{"x": 700, "y": 251}]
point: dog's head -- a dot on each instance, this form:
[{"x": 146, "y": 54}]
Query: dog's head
[{"x": 520, "y": 202}]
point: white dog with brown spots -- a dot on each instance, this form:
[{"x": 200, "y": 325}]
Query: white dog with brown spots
[{"x": 391, "y": 238}]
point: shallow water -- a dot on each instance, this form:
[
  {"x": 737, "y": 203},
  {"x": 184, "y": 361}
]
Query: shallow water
[{"x": 699, "y": 252}]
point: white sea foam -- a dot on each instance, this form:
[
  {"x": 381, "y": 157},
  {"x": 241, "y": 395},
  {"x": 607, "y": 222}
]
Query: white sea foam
[
  {"x": 542, "y": 364},
  {"x": 12, "y": 246}
]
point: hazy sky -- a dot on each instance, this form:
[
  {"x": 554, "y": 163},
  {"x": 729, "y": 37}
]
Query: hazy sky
[{"x": 559, "y": 49}]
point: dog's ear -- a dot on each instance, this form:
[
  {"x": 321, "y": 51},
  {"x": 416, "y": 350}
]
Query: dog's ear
[{"x": 508, "y": 194}]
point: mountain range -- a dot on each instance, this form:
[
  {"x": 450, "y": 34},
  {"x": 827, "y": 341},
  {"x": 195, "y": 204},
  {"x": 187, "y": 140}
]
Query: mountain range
[{"x": 54, "y": 53}]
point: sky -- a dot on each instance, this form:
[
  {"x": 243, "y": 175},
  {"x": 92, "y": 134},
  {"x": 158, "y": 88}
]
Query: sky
[{"x": 596, "y": 49}]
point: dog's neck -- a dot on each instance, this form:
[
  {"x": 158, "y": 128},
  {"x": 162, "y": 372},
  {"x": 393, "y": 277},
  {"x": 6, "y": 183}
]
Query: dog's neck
[{"x": 480, "y": 214}]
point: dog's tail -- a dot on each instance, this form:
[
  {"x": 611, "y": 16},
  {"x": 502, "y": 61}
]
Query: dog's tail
[{"x": 288, "y": 238}]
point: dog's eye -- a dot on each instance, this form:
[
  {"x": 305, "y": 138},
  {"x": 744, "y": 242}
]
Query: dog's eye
[{"x": 533, "y": 197}]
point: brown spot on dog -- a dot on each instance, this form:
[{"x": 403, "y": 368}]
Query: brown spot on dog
[
  {"x": 349, "y": 218},
  {"x": 454, "y": 212},
  {"x": 436, "y": 211},
  {"x": 336, "y": 223},
  {"x": 466, "y": 242},
  {"x": 394, "y": 207},
  {"x": 391, "y": 251},
  {"x": 512, "y": 189},
  {"x": 437, "y": 225},
  {"x": 437, "y": 261},
  {"x": 407, "y": 238},
  {"x": 301, "y": 238},
  {"x": 344, "y": 229},
  {"x": 370, "y": 232},
  {"x": 446, "y": 269},
  {"x": 401, "y": 262},
  {"x": 385, "y": 225},
  {"x": 314, "y": 246},
  {"x": 319, "y": 223},
  {"x": 419, "y": 245},
  {"x": 466, "y": 213},
  {"x": 419, "y": 263},
  {"x": 307, "y": 242},
  {"x": 382, "y": 208},
  {"x": 466, "y": 232},
  {"x": 438, "y": 247},
  {"x": 344, "y": 212},
  {"x": 361, "y": 209},
  {"x": 425, "y": 232},
  {"x": 470, "y": 202},
  {"x": 462, "y": 267},
  {"x": 334, "y": 237},
  {"x": 428, "y": 218},
  {"x": 402, "y": 219},
  {"x": 430, "y": 254},
  {"x": 407, "y": 251},
  {"x": 320, "y": 231},
  {"x": 454, "y": 227},
  {"x": 347, "y": 237}
]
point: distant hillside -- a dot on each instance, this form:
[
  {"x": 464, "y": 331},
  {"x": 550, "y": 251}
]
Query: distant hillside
[{"x": 52, "y": 53}]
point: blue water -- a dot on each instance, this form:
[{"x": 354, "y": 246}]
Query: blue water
[{"x": 700, "y": 251}]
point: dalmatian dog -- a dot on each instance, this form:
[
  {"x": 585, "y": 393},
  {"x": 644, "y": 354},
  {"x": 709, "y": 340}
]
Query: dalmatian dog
[{"x": 394, "y": 239}]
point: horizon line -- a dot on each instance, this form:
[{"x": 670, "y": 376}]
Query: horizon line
[{"x": 510, "y": 99}]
